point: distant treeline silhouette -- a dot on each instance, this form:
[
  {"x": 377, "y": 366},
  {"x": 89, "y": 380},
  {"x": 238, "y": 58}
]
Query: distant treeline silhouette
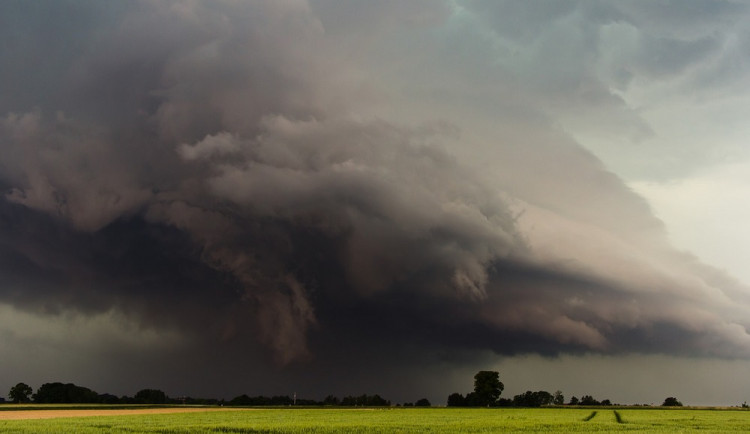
[
  {"x": 347, "y": 401},
  {"x": 69, "y": 393},
  {"x": 488, "y": 387},
  {"x": 487, "y": 390}
]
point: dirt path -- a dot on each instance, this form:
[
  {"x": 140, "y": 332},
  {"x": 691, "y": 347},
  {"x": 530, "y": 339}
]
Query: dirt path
[{"x": 51, "y": 414}]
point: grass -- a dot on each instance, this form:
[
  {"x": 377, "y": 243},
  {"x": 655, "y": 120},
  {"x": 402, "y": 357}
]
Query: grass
[
  {"x": 23, "y": 407},
  {"x": 399, "y": 420}
]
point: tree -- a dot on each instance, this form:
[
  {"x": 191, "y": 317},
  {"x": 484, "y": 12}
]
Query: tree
[
  {"x": 487, "y": 387},
  {"x": 589, "y": 400},
  {"x": 331, "y": 400},
  {"x": 108, "y": 398},
  {"x": 424, "y": 402},
  {"x": 504, "y": 402},
  {"x": 533, "y": 399},
  {"x": 558, "y": 398},
  {"x": 472, "y": 400},
  {"x": 671, "y": 402},
  {"x": 573, "y": 400},
  {"x": 58, "y": 393},
  {"x": 365, "y": 401},
  {"x": 456, "y": 400},
  {"x": 150, "y": 396},
  {"x": 21, "y": 392}
]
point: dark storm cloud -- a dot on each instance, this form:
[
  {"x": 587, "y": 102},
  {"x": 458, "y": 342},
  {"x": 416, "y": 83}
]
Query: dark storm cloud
[
  {"x": 223, "y": 157},
  {"x": 213, "y": 168}
]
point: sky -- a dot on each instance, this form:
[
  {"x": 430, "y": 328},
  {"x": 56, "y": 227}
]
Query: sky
[{"x": 327, "y": 197}]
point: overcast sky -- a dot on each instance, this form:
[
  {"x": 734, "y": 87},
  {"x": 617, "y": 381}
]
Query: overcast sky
[{"x": 263, "y": 197}]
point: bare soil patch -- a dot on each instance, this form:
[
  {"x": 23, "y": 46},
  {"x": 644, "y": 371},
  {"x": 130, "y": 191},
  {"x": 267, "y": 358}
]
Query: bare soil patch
[{"x": 51, "y": 414}]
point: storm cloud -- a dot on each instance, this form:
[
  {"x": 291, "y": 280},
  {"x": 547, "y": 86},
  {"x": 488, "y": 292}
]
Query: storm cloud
[{"x": 307, "y": 186}]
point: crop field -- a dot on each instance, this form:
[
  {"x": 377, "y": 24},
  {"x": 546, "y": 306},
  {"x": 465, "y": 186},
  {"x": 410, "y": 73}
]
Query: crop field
[{"x": 433, "y": 420}]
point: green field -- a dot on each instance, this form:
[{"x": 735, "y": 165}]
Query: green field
[{"x": 434, "y": 420}]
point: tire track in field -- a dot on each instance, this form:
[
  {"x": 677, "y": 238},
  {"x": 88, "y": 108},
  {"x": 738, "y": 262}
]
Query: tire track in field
[
  {"x": 618, "y": 418},
  {"x": 589, "y": 417}
]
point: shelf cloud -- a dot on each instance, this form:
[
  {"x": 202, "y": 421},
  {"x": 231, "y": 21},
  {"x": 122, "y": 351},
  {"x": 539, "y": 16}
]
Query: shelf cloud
[{"x": 299, "y": 185}]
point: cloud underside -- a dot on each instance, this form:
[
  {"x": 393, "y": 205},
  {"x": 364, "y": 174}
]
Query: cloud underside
[{"x": 238, "y": 178}]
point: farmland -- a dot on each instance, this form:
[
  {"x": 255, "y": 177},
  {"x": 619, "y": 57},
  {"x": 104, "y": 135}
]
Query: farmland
[{"x": 434, "y": 420}]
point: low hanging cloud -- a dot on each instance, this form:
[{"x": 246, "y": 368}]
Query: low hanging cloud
[{"x": 233, "y": 180}]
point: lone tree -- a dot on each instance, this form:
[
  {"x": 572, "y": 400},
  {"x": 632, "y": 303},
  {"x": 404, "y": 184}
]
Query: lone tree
[
  {"x": 671, "y": 402},
  {"x": 487, "y": 388},
  {"x": 21, "y": 392}
]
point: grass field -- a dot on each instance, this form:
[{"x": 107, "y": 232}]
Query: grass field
[{"x": 433, "y": 420}]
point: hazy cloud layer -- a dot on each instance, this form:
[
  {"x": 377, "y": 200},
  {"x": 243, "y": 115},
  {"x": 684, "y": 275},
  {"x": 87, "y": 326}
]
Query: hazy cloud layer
[{"x": 317, "y": 185}]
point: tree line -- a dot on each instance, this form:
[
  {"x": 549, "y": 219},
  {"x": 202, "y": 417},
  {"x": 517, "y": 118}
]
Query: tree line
[
  {"x": 487, "y": 391},
  {"x": 347, "y": 401},
  {"x": 69, "y": 393},
  {"x": 488, "y": 387}
]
